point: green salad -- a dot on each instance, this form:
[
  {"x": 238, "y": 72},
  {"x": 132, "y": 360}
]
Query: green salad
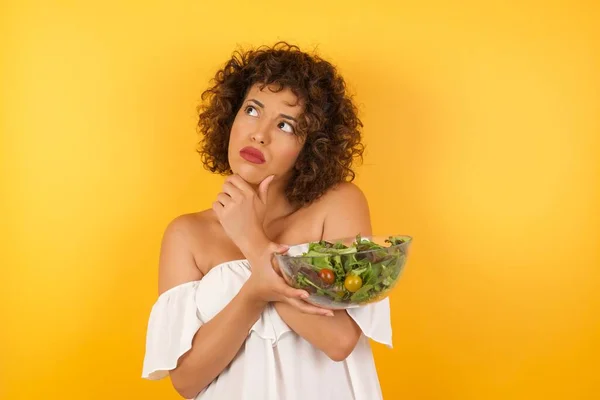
[{"x": 359, "y": 273}]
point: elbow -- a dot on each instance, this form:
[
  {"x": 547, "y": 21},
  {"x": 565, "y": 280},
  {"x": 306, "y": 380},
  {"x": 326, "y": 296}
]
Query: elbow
[
  {"x": 338, "y": 355},
  {"x": 342, "y": 348},
  {"x": 186, "y": 392},
  {"x": 184, "y": 389}
]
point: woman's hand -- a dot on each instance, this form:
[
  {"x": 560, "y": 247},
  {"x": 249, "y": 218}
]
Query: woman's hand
[
  {"x": 241, "y": 212},
  {"x": 267, "y": 285}
]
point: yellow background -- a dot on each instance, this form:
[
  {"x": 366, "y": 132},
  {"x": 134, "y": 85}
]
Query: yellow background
[{"x": 482, "y": 126}]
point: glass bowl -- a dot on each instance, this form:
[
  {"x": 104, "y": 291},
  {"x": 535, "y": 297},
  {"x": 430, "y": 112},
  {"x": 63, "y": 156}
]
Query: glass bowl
[{"x": 348, "y": 272}]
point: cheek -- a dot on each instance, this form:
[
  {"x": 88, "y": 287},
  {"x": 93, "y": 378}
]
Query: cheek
[
  {"x": 240, "y": 124},
  {"x": 290, "y": 153},
  {"x": 236, "y": 135},
  {"x": 235, "y": 130}
]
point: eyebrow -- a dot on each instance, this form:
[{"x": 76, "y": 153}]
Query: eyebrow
[
  {"x": 257, "y": 102},
  {"x": 282, "y": 115}
]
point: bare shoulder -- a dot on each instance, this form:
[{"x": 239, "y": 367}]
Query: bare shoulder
[
  {"x": 192, "y": 228},
  {"x": 346, "y": 212},
  {"x": 343, "y": 197},
  {"x": 183, "y": 239},
  {"x": 347, "y": 190}
]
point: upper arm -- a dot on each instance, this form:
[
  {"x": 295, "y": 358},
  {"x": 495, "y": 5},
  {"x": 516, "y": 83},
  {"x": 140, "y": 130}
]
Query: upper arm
[
  {"x": 347, "y": 213},
  {"x": 176, "y": 260}
]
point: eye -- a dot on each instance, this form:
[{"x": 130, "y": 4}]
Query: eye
[
  {"x": 253, "y": 112},
  {"x": 284, "y": 126}
]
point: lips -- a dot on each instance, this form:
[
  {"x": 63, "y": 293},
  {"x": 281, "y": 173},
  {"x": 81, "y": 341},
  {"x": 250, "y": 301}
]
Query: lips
[{"x": 252, "y": 155}]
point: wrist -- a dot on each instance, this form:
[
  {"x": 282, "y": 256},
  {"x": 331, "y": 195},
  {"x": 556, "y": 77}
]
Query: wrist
[
  {"x": 252, "y": 295},
  {"x": 254, "y": 245}
]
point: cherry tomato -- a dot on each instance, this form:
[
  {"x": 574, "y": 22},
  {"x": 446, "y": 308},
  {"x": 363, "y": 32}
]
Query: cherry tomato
[
  {"x": 353, "y": 283},
  {"x": 327, "y": 276}
]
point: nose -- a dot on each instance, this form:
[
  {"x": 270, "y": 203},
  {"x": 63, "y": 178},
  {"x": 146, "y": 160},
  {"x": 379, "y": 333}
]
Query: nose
[
  {"x": 261, "y": 135},
  {"x": 257, "y": 138}
]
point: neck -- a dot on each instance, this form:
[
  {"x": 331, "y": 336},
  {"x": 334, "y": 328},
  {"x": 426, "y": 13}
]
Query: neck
[{"x": 278, "y": 205}]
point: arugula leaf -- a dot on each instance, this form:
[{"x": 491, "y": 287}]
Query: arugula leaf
[
  {"x": 362, "y": 293},
  {"x": 377, "y": 266},
  {"x": 304, "y": 280},
  {"x": 395, "y": 240},
  {"x": 318, "y": 261}
]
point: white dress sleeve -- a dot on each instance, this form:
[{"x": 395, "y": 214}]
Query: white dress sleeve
[
  {"x": 173, "y": 322},
  {"x": 374, "y": 320}
]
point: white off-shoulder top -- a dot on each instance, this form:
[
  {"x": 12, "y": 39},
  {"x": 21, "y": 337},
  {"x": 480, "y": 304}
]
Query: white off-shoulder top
[{"x": 274, "y": 363}]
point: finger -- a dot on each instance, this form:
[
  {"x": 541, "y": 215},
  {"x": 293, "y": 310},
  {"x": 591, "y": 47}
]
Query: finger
[
  {"x": 233, "y": 191},
  {"x": 309, "y": 308},
  {"x": 263, "y": 188},
  {"x": 279, "y": 248},
  {"x": 224, "y": 199},
  {"x": 241, "y": 184},
  {"x": 217, "y": 208},
  {"x": 287, "y": 291}
]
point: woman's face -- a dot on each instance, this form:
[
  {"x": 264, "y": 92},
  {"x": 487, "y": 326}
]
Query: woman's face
[{"x": 263, "y": 140}]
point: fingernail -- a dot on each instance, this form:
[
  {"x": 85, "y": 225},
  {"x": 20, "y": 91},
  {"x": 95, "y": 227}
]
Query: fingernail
[
  {"x": 304, "y": 295},
  {"x": 329, "y": 314}
]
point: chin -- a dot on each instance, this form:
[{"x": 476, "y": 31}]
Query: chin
[{"x": 249, "y": 173}]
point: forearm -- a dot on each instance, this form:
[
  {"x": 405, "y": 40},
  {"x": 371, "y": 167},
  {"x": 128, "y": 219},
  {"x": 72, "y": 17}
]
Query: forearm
[
  {"x": 336, "y": 336},
  {"x": 216, "y": 343}
]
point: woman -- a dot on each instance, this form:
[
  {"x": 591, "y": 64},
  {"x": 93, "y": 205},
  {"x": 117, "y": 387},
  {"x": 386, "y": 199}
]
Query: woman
[{"x": 279, "y": 123}]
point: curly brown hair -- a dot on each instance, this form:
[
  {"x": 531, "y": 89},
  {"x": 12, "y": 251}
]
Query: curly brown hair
[{"x": 329, "y": 124}]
